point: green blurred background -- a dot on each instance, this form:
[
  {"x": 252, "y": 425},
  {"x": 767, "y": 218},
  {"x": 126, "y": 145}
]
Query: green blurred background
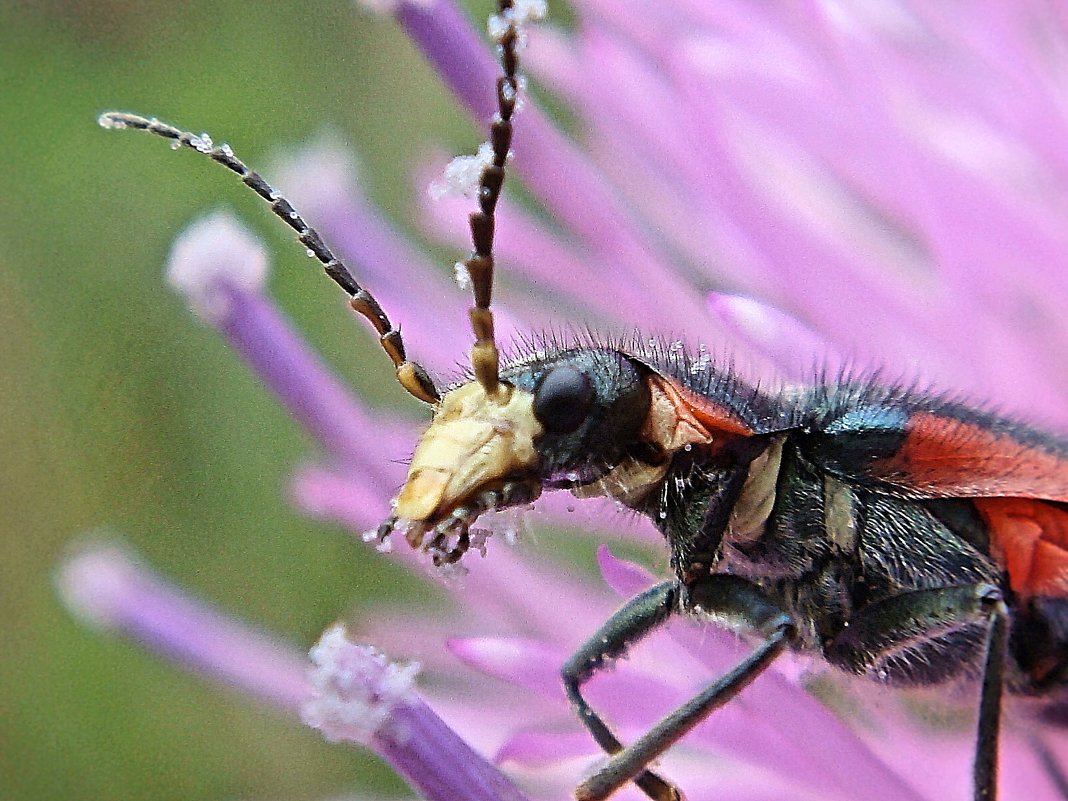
[{"x": 118, "y": 410}]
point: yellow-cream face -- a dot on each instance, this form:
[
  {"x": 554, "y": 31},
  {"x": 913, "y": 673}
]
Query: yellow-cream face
[{"x": 474, "y": 444}]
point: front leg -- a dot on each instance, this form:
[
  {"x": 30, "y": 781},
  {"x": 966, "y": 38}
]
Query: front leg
[
  {"x": 726, "y": 598},
  {"x": 635, "y": 619}
]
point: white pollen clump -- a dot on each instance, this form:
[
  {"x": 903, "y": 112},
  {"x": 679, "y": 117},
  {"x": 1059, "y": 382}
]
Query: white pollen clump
[
  {"x": 211, "y": 255},
  {"x": 525, "y": 11},
  {"x": 478, "y": 538},
  {"x": 202, "y": 143},
  {"x": 355, "y": 689},
  {"x": 462, "y": 275},
  {"x": 521, "y": 13},
  {"x": 450, "y": 573},
  {"x": 497, "y": 26},
  {"x": 105, "y": 120},
  {"x": 463, "y": 175},
  {"x": 383, "y": 544}
]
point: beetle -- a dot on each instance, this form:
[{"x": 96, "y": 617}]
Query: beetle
[{"x": 895, "y": 534}]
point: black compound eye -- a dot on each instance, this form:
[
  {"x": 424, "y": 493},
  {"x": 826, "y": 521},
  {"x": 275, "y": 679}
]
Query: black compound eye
[{"x": 563, "y": 399}]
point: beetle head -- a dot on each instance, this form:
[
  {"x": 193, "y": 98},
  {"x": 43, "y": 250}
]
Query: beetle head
[{"x": 570, "y": 420}]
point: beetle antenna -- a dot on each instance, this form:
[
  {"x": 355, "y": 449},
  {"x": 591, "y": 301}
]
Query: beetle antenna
[
  {"x": 485, "y": 358},
  {"x": 412, "y": 376}
]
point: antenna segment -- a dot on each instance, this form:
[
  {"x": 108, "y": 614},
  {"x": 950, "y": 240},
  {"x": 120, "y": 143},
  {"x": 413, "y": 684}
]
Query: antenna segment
[
  {"x": 485, "y": 358},
  {"x": 412, "y": 376}
]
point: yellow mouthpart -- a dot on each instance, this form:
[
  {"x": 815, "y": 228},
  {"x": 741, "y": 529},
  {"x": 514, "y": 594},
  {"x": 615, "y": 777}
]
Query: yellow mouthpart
[{"x": 473, "y": 442}]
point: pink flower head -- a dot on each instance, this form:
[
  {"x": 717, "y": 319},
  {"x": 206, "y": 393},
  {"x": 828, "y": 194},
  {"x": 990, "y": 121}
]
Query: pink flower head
[{"x": 804, "y": 187}]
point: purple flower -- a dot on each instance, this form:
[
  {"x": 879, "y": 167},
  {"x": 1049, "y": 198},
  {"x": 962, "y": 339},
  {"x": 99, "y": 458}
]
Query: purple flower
[{"x": 800, "y": 186}]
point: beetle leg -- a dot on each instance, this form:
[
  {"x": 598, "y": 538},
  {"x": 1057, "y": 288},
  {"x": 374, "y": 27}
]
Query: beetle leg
[
  {"x": 724, "y": 597},
  {"x": 889, "y": 628},
  {"x": 985, "y": 768},
  {"x": 636, "y": 618}
]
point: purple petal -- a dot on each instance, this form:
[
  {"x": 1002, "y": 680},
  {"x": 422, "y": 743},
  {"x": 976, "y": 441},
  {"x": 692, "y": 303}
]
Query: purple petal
[
  {"x": 533, "y": 255},
  {"x": 355, "y": 694},
  {"x": 348, "y": 500},
  {"x": 625, "y": 578},
  {"x": 540, "y": 749},
  {"x": 784, "y": 340},
  {"x": 107, "y": 587},
  {"x": 528, "y": 663},
  {"x": 208, "y": 264},
  {"x": 561, "y": 178}
]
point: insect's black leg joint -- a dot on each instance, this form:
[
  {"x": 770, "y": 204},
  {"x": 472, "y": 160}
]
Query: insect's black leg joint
[
  {"x": 739, "y": 602},
  {"x": 636, "y": 618},
  {"x": 985, "y": 768},
  {"x": 722, "y": 596},
  {"x": 990, "y": 597}
]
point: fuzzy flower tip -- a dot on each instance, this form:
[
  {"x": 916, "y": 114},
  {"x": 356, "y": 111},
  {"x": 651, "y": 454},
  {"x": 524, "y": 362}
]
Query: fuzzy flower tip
[
  {"x": 360, "y": 696},
  {"x": 356, "y": 689},
  {"x": 93, "y": 584},
  {"x": 214, "y": 256}
]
